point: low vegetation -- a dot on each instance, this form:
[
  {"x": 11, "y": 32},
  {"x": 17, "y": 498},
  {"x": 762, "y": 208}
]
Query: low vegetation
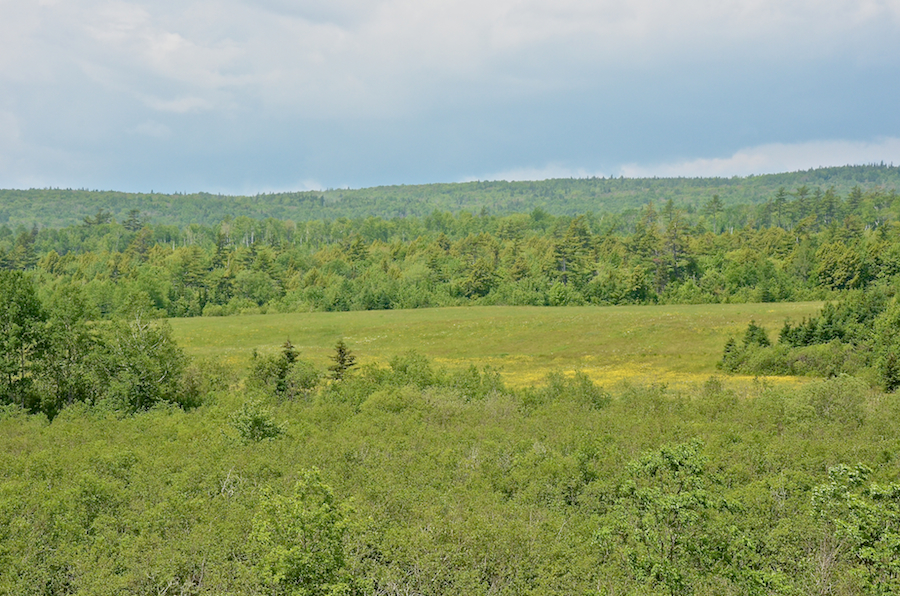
[
  {"x": 409, "y": 478},
  {"x": 399, "y": 475},
  {"x": 672, "y": 344}
]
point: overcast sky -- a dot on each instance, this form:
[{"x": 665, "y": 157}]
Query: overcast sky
[{"x": 260, "y": 95}]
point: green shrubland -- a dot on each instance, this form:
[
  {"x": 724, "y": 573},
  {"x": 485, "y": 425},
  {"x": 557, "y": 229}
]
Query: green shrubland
[
  {"x": 410, "y": 478},
  {"x": 857, "y": 335}
]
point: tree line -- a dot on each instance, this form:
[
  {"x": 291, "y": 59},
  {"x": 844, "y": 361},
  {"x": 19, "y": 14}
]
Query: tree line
[
  {"x": 55, "y": 207},
  {"x": 798, "y": 245}
]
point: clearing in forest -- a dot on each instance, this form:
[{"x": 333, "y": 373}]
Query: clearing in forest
[{"x": 670, "y": 344}]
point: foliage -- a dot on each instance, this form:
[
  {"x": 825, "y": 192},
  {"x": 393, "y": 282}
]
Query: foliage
[
  {"x": 22, "y": 342},
  {"x": 414, "y": 369},
  {"x": 755, "y": 336},
  {"x": 254, "y": 423},
  {"x": 141, "y": 365},
  {"x": 300, "y": 538},
  {"x": 712, "y": 196},
  {"x": 855, "y": 334},
  {"x": 268, "y": 372},
  {"x": 798, "y": 245},
  {"x": 302, "y": 379},
  {"x": 453, "y": 495},
  {"x": 865, "y": 520},
  {"x": 663, "y": 515},
  {"x": 53, "y": 357},
  {"x": 559, "y": 386}
]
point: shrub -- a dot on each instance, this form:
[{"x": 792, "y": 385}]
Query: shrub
[
  {"x": 254, "y": 423},
  {"x": 201, "y": 378},
  {"x": 837, "y": 400},
  {"x": 473, "y": 384},
  {"x": 268, "y": 373},
  {"x": 413, "y": 369},
  {"x": 343, "y": 359},
  {"x": 282, "y": 374},
  {"x": 302, "y": 379},
  {"x": 756, "y": 335},
  {"x": 579, "y": 388},
  {"x": 300, "y": 540}
]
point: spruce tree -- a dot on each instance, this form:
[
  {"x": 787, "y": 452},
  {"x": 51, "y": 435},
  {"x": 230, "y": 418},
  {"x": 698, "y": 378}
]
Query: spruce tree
[{"x": 343, "y": 359}]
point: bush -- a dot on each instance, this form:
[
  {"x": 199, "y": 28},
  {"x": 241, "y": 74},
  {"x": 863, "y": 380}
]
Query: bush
[
  {"x": 412, "y": 369},
  {"x": 268, "y": 373},
  {"x": 838, "y": 400},
  {"x": 282, "y": 375},
  {"x": 202, "y": 378},
  {"x": 254, "y": 423},
  {"x": 473, "y": 384},
  {"x": 579, "y": 388},
  {"x": 302, "y": 379},
  {"x": 343, "y": 359},
  {"x": 827, "y": 360},
  {"x": 888, "y": 366},
  {"x": 300, "y": 540},
  {"x": 756, "y": 336}
]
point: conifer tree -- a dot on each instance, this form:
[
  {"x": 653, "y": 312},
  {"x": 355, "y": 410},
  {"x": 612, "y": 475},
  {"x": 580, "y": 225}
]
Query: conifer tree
[{"x": 343, "y": 359}]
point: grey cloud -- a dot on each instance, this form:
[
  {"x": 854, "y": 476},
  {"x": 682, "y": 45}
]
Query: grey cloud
[{"x": 388, "y": 90}]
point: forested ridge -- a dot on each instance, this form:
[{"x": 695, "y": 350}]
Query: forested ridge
[
  {"x": 54, "y": 207},
  {"x": 799, "y": 244}
]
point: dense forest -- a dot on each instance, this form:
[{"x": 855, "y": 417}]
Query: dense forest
[
  {"x": 800, "y": 244},
  {"x": 64, "y": 207}
]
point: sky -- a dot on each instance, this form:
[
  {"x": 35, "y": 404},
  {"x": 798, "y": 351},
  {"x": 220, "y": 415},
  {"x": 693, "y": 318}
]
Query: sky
[{"x": 246, "y": 96}]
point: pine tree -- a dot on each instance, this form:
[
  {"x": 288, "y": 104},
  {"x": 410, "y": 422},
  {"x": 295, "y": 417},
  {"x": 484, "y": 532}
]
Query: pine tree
[{"x": 343, "y": 359}]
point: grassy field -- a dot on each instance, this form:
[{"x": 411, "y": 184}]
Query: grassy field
[{"x": 657, "y": 344}]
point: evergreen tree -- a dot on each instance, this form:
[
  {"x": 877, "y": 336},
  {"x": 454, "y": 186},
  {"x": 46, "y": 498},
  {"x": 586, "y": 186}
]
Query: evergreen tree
[
  {"x": 712, "y": 209},
  {"x": 343, "y": 359},
  {"x": 21, "y": 337},
  {"x": 134, "y": 221}
]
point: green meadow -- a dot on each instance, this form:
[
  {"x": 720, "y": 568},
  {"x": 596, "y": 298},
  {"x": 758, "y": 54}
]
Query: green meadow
[{"x": 670, "y": 344}]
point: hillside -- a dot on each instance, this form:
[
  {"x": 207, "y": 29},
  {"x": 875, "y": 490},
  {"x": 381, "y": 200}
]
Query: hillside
[{"x": 62, "y": 207}]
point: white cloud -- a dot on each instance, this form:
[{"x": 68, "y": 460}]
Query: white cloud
[
  {"x": 776, "y": 157},
  {"x": 75, "y": 73},
  {"x": 152, "y": 129},
  {"x": 10, "y": 143},
  {"x": 771, "y": 158},
  {"x": 21, "y": 161},
  {"x": 181, "y": 105}
]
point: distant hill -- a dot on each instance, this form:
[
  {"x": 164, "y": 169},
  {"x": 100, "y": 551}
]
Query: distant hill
[{"x": 62, "y": 207}]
